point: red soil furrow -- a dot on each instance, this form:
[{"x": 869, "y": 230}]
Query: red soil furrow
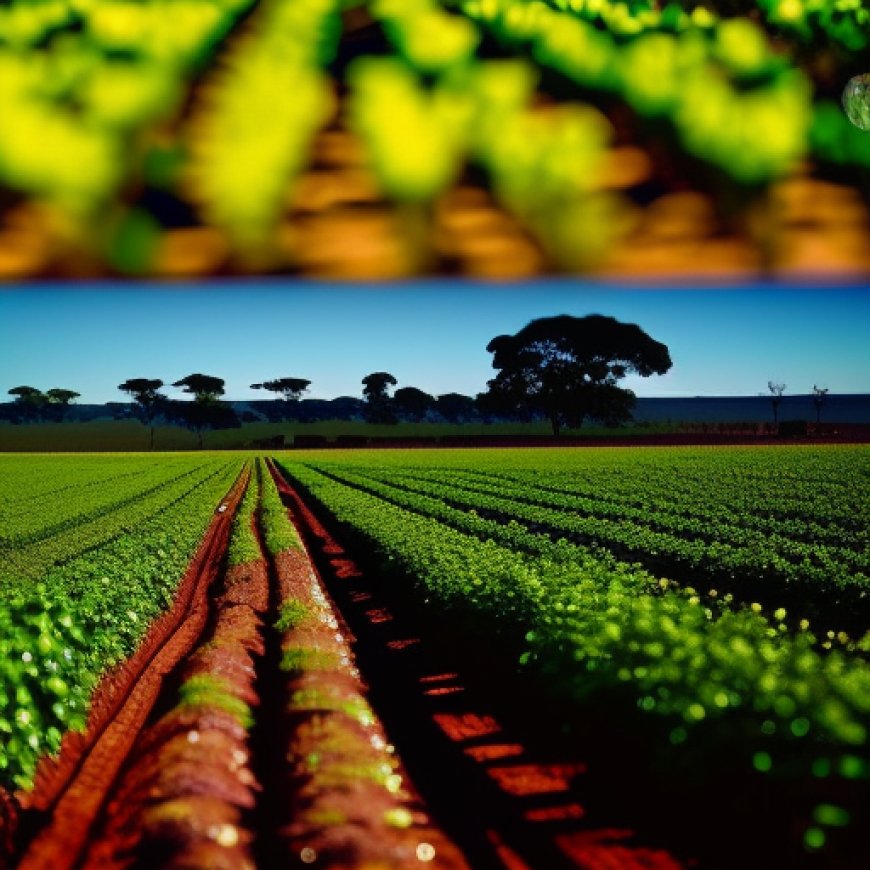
[
  {"x": 510, "y": 798},
  {"x": 350, "y": 802},
  {"x": 70, "y": 789},
  {"x": 187, "y": 786}
]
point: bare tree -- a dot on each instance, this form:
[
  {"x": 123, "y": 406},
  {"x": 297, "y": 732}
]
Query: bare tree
[
  {"x": 776, "y": 391},
  {"x": 819, "y": 394}
]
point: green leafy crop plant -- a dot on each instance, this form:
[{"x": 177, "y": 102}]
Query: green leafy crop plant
[
  {"x": 292, "y": 614},
  {"x": 307, "y": 659},
  {"x": 77, "y": 608},
  {"x": 244, "y": 546},
  {"x": 278, "y": 532},
  {"x": 205, "y": 690}
]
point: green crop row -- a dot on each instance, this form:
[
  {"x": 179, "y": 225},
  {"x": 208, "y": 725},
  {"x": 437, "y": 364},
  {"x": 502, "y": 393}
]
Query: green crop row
[
  {"x": 253, "y": 133},
  {"x": 845, "y": 23},
  {"x": 23, "y": 485},
  {"x": 67, "y": 541},
  {"x": 709, "y": 551},
  {"x": 685, "y": 515},
  {"x": 244, "y": 545},
  {"x": 730, "y": 101},
  {"x": 809, "y": 577},
  {"x": 542, "y": 166},
  {"x": 719, "y": 682},
  {"x": 58, "y": 635},
  {"x": 81, "y": 83},
  {"x": 279, "y": 533},
  {"x": 43, "y": 518},
  {"x": 176, "y": 126}
]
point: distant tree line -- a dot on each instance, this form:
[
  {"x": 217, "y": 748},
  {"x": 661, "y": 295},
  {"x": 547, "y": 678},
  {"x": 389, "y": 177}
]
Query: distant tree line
[
  {"x": 562, "y": 369},
  {"x": 33, "y": 405}
]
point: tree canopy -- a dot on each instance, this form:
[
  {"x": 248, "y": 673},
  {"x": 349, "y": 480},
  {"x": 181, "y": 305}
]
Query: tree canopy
[
  {"x": 33, "y": 404},
  {"x": 145, "y": 392},
  {"x": 568, "y": 368},
  {"x": 27, "y": 395},
  {"x": 290, "y": 389},
  {"x": 412, "y": 402},
  {"x": 204, "y": 388},
  {"x": 379, "y": 407},
  {"x": 206, "y": 411}
]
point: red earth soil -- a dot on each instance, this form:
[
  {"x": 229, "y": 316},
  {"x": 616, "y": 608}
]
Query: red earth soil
[
  {"x": 350, "y": 802},
  {"x": 184, "y": 792},
  {"x": 69, "y": 789}
]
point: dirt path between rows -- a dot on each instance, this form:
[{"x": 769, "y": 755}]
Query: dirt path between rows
[
  {"x": 510, "y": 799},
  {"x": 58, "y": 813},
  {"x": 209, "y": 751}
]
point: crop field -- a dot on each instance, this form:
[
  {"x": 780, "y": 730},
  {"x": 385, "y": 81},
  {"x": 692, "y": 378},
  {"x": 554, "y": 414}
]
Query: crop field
[
  {"x": 389, "y": 138},
  {"x": 633, "y": 657}
]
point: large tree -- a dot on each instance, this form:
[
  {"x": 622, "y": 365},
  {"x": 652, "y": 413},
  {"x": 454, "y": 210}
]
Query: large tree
[
  {"x": 456, "y": 408},
  {"x": 379, "y": 407},
  {"x": 206, "y": 411},
  {"x": 149, "y": 401},
  {"x": 288, "y": 392},
  {"x": 568, "y": 368},
  {"x": 57, "y": 401},
  {"x": 412, "y": 403},
  {"x": 33, "y": 404},
  {"x": 204, "y": 388},
  {"x": 29, "y": 402}
]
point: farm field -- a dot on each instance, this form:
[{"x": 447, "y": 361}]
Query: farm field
[
  {"x": 639, "y": 657},
  {"x": 497, "y": 138},
  {"x": 130, "y": 436}
]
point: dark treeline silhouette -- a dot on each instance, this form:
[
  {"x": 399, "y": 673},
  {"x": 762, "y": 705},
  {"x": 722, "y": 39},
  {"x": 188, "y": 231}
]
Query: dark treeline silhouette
[
  {"x": 565, "y": 370},
  {"x": 34, "y": 405}
]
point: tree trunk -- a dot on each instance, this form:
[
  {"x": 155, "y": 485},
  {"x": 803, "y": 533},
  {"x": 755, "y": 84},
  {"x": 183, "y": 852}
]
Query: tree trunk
[
  {"x": 151, "y": 429},
  {"x": 556, "y": 423}
]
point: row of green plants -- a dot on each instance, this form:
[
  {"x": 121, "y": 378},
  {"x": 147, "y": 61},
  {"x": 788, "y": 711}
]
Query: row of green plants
[
  {"x": 817, "y": 23},
  {"x": 722, "y": 93},
  {"x": 40, "y": 518},
  {"x": 252, "y": 134},
  {"x": 686, "y": 514},
  {"x": 25, "y": 486},
  {"x": 176, "y": 124},
  {"x": 62, "y": 630},
  {"x": 541, "y": 166},
  {"x": 723, "y": 685},
  {"x": 794, "y": 483},
  {"x": 812, "y": 578},
  {"x": 244, "y": 545},
  {"x": 70, "y": 539},
  {"x": 792, "y": 538}
]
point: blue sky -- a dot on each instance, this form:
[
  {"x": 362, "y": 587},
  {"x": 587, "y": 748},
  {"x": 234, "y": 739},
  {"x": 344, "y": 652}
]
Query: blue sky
[{"x": 432, "y": 335}]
